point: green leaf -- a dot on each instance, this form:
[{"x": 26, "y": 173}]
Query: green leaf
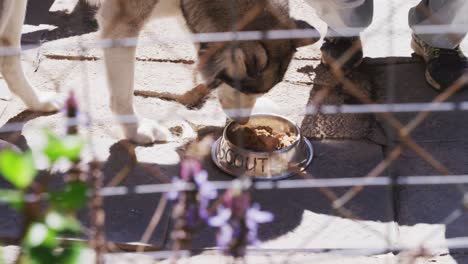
[
  {"x": 41, "y": 244},
  {"x": 38, "y": 255},
  {"x": 72, "y": 198},
  {"x": 18, "y": 169},
  {"x": 14, "y": 198},
  {"x": 62, "y": 223},
  {"x": 69, "y": 147},
  {"x": 74, "y": 254},
  {"x": 69, "y": 254},
  {"x": 40, "y": 235}
]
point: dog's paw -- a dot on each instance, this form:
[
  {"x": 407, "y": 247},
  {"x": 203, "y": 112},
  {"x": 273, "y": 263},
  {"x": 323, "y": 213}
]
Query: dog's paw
[
  {"x": 46, "y": 103},
  {"x": 147, "y": 131}
]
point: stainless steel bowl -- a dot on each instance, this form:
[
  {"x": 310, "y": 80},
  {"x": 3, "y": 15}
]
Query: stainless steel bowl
[{"x": 238, "y": 161}]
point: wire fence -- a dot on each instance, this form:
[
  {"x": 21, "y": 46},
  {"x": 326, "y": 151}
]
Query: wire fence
[{"x": 338, "y": 203}]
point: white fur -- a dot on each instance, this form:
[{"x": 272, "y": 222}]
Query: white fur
[
  {"x": 238, "y": 106},
  {"x": 95, "y": 2},
  {"x": 120, "y": 68},
  {"x": 120, "y": 75},
  {"x": 11, "y": 21}
]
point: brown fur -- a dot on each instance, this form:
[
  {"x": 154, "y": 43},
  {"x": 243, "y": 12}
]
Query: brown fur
[{"x": 250, "y": 67}]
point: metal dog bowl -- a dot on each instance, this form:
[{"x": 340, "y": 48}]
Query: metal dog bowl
[{"x": 238, "y": 161}]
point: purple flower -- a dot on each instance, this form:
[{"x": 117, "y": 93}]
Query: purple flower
[
  {"x": 224, "y": 214},
  {"x": 225, "y": 232},
  {"x": 191, "y": 172},
  {"x": 189, "y": 168},
  {"x": 206, "y": 192},
  {"x": 238, "y": 201},
  {"x": 254, "y": 217},
  {"x": 206, "y": 189},
  {"x": 177, "y": 184},
  {"x": 191, "y": 208},
  {"x": 224, "y": 236},
  {"x": 237, "y": 222}
]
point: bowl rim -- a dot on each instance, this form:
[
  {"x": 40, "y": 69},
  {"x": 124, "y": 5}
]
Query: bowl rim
[{"x": 296, "y": 142}]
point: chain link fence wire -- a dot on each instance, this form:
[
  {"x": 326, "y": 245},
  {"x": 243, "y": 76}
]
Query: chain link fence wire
[{"x": 381, "y": 33}]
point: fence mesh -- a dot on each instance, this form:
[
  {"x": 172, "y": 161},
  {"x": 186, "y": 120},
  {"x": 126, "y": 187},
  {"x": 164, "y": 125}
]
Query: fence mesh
[{"x": 73, "y": 62}]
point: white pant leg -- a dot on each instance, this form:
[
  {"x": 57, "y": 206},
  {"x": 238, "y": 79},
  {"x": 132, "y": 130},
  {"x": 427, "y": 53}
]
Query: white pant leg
[
  {"x": 345, "y": 17},
  {"x": 440, "y": 13}
]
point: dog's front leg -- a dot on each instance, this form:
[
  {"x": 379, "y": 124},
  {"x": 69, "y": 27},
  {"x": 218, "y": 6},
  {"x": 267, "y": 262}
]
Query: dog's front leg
[
  {"x": 123, "y": 20},
  {"x": 120, "y": 65},
  {"x": 18, "y": 84},
  {"x": 10, "y": 65}
]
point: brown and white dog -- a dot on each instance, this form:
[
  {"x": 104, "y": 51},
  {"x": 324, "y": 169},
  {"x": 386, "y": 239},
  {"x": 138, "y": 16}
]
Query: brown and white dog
[{"x": 241, "y": 71}]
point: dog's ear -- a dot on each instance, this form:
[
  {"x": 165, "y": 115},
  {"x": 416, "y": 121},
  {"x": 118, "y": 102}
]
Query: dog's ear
[
  {"x": 248, "y": 59},
  {"x": 312, "y": 34}
]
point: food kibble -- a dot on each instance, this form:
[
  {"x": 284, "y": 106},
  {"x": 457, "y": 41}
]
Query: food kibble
[{"x": 261, "y": 138}]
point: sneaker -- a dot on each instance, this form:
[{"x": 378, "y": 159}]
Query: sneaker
[
  {"x": 443, "y": 66},
  {"x": 335, "y": 48}
]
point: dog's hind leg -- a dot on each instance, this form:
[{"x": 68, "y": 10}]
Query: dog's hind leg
[
  {"x": 123, "y": 20},
  {"x": 11, "y": 21}
]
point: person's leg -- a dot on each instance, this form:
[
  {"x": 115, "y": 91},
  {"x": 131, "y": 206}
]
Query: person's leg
[
  {"x": 346, "y": 19},
  {"x": 438, "y": 28},
  {"x": 446, "y": 19}
]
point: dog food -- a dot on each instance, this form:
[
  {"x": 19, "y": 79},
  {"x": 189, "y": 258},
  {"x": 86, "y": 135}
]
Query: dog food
[{"x": 261, "y": 138}]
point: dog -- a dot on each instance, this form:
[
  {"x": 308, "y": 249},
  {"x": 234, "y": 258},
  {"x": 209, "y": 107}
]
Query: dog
[
  {"x": 241, "y": 71},
  {"x": 12, "y": 13}
]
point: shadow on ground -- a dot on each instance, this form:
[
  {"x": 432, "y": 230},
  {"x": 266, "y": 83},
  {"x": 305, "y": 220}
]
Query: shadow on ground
[
  {"x": 443, "y": 134},
  {"x": 79, "y": 22}
]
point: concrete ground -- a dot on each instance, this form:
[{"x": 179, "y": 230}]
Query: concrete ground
[{"x": 349, "y": 145}]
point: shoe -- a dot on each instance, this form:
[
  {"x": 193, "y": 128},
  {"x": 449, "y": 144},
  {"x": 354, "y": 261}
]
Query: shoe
[
  {"x": 443, "y": 66},
  {"x": 334, "y": 50}
]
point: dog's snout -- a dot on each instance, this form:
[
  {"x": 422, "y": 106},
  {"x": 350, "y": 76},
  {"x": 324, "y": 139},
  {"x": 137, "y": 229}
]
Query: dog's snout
[
  {"x": 237, "y": 105},
  {"x": 241, "y": 120}
]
